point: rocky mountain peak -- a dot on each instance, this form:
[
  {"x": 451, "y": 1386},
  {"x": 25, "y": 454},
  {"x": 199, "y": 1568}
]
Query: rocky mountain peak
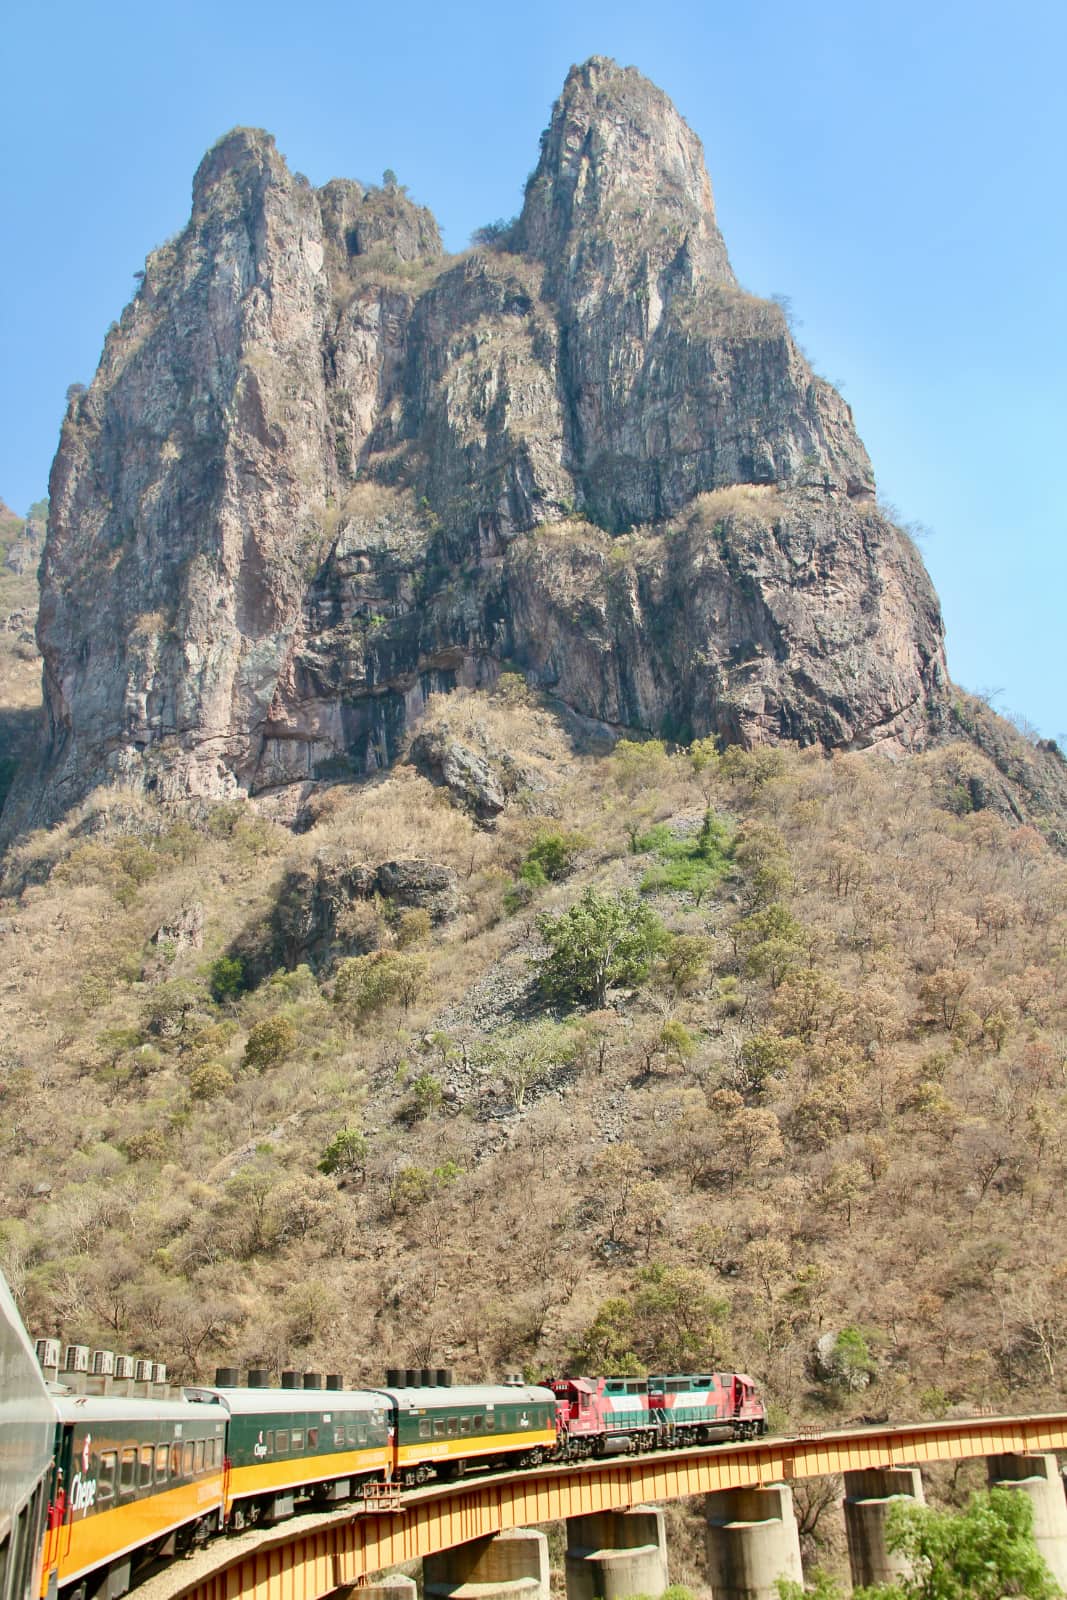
[
  {"x": 356, "y": 219},
  {"x": 618, "y": 162},
  {"x": 240, "y": 156},
  {"x": 323, "y": 472}
]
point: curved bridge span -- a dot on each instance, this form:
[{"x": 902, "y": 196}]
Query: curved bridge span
[{"x": 346, "y": 1548}]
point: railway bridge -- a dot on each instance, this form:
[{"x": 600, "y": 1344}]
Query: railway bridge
[{"x": 478, "y": 1539}]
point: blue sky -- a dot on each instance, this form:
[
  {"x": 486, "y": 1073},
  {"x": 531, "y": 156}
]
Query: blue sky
[{"x": 897, "y": 170}]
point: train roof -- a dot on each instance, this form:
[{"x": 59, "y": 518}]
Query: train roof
[
  {"x": 471, "y": 1394},
  {"x": 269, "y": 1402},
  {"x": 100, "y": 1408}
]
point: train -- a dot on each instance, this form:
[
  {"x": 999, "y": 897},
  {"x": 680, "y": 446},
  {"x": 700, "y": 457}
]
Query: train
[
  {"x": 27, "y": 1465},
  {"x": 127, "y": 1482}
]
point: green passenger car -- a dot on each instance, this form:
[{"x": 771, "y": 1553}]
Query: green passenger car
[
  {"x": 441, "y": 1432},
  {"x": 290, "y": 1444}
]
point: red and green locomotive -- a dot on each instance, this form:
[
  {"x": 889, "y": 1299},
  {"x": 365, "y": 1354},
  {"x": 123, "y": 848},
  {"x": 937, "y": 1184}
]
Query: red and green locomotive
[{"x": 621, "y": 1416}]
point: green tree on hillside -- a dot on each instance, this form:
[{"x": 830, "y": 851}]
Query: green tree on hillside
[
  {"x": 670, "y": 1320},
  {"x": 983, "y": 1553},
  {"x": 602, "y": 940}
]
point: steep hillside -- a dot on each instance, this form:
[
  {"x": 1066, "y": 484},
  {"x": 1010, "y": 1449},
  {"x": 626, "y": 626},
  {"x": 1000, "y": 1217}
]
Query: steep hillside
[
  {"x": 323, "y": 1099},
  {"x": 324, "y": 471},
  {"x": 21, "y": 544}
]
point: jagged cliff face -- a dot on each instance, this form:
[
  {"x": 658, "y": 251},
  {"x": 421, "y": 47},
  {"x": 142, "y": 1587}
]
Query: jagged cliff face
[{"x": 324, "y": 469}]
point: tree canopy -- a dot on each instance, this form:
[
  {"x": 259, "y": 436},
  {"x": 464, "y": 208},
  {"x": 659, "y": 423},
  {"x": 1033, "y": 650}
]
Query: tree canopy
[
  {"x": 983, "y": 1553},
  {"x": 602, "y": 940}
]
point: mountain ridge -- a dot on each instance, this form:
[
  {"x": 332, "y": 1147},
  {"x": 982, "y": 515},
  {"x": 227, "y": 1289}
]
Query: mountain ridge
[{"x": 325, "y": 471}]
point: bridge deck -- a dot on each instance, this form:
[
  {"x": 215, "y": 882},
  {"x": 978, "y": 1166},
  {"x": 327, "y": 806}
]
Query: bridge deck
[{"x": 342, "y": 1548}]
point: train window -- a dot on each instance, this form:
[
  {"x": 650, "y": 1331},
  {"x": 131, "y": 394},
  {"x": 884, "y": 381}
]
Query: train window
[
  {"x": 199, "y": 1459},
  {"x": 361, "y": 1433},
  {"x": 464, "y": 1424},
  {"x": 281, "y": 1441},
  {"x": 127, "y": 1470},
  {"x": 144, "y": 1475},
  {"x": 424, "y": 1427},
  {"x": 338, "y": 1436},
  {"x": 479, "y": 1423},
  {"x": 105, "y": 1476},
  {"x": 162, "y": 1457},
  {"x": 175, "y": 1460},
  {"x": 438, "y": 1427},
  {"x": 298, "y": 1439},
  {"x": 268, "y": 1442},
  {"x": 352, "y": 1433},
  {"x": 187, "y": 1459},
  {"x": 313, "y": 1438}
]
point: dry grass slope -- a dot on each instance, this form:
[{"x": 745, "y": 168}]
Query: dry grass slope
[{"x": 825, "y": 1136}]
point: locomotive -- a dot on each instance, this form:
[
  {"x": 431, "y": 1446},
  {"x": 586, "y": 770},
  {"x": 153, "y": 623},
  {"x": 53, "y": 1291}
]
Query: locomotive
[{"x": 621, "y": 1416}]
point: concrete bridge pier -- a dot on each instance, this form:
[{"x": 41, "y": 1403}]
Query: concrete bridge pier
[
  {"x": 1038, "y": 1477},
  {"x": 394, "y": 1587},
  {"x": 752, "y": 1541},
  {"x": 503, "y": 1566},
  {"x": 868, "y": 1497},
  {"x": 612, "y": 1555}
]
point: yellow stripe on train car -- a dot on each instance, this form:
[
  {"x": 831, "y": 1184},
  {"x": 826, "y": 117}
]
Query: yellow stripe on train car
[
  {"x": 103, "y": 1537},
  {"x": 293, "y": 1472},
  {"x": 469, "y": 1446}
]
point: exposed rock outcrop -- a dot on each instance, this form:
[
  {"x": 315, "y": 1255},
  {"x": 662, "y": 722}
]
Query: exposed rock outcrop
[
  {"x": 467, "y": 775},
  {"x": 324, "y": 471},
  {"x": 320, "y": 915}
]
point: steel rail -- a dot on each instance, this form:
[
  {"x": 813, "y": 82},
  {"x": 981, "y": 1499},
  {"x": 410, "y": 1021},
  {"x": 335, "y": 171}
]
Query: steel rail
[{"x": 347, "y": 1548}]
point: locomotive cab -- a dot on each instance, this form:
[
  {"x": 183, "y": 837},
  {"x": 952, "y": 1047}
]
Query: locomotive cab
[
  {"x": 750, "y": 1414},
  {"x": 579, "y": 1425},
  {"x": 575, "y": 1409}
]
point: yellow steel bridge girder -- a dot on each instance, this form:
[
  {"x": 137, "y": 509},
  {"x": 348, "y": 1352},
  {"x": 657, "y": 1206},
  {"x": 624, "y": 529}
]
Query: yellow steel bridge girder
[{"x": 347, "y": 1548}]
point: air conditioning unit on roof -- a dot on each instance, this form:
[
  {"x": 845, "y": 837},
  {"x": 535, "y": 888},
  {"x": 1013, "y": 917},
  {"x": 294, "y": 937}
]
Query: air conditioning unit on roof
[
  {"x": 103, "y": 1363},
  {"x": 124, "y": 1367},
  {"x": 48, "y": 1352},
  {"x": 76, "y": 1358}
]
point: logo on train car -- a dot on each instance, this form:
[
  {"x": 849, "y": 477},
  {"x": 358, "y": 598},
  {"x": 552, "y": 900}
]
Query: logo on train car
[
  {"x": 259, "y": 1448},
  {"x": 86, "y": 1452},
  {"x": 82, "y": 1493}
]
